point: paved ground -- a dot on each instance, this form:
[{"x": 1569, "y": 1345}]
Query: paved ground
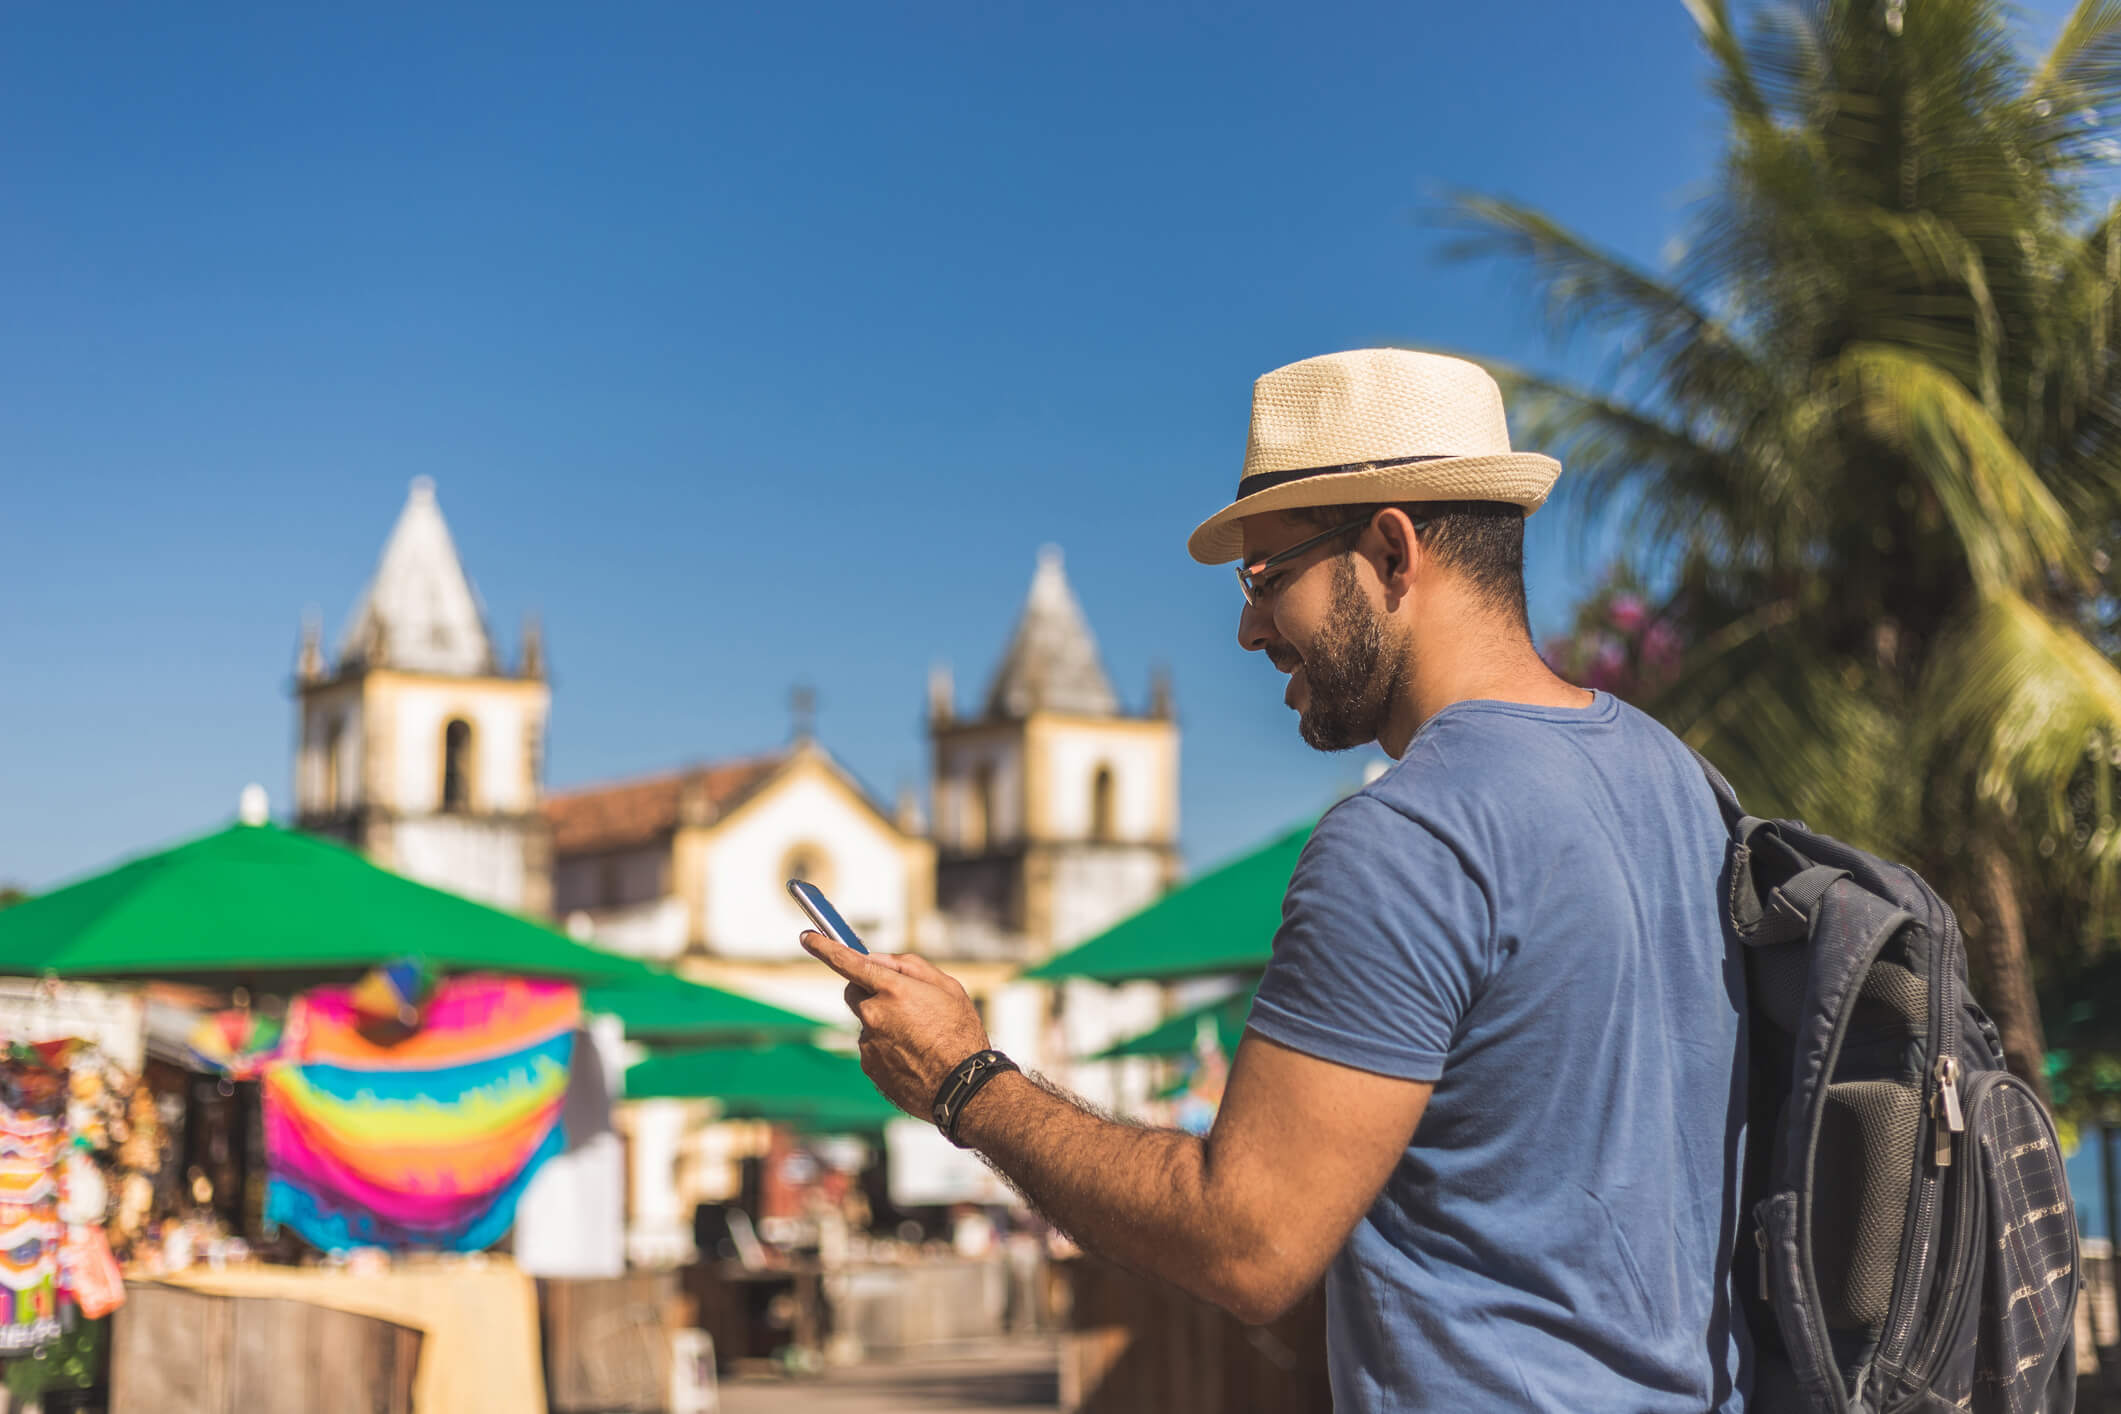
[{"x": 1007, "y": 1379}]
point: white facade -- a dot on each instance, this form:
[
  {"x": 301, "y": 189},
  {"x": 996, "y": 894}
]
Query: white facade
[
  {"x": 856, "y": 857},
  {"x": 659, "y": 1221},
  {"x": 716, "y": 888},
  {"x": 1096, "y": 888},
  {"x": 1094, "y": 1016},
  {"x": 406, "y": 728},
  {"x": 502, "y": 730},
  {"x": 922, "y": 1167},
  {"x": 656, "y": 929},
  {"x": 571, "y": 1220},
  {"x": 465, "y": 855},
  {"x": 1140, "y": 766}
]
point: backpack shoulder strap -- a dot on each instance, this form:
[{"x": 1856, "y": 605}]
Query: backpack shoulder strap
[
  {"x": 1726, "y": 798},
  {"x": 1794, "y": 883}
]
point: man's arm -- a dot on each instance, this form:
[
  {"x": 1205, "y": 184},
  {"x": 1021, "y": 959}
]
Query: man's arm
[{"x": 1247, "y": 1218}]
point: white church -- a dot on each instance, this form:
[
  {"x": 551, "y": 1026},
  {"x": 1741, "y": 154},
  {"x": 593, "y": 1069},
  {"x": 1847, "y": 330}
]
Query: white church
[{"x": 1054, "y": 810}]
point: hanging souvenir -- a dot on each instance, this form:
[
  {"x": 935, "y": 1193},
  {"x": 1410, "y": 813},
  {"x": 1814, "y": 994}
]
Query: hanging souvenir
[
  {"x": 84, "y": 1196},
  {"x": 89, "y": 1272},
  {"x": 237, "y": 1043},
  {"x": 33, "y": 1102},
  {"x": 394, "y": 994}
]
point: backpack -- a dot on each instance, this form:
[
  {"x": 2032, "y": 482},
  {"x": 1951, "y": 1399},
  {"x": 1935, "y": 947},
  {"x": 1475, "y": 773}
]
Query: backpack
[{"x": 1913, "y": 1245}]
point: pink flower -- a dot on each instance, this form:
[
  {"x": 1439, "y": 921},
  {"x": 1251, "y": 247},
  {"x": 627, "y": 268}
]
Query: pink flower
[
  {"x": 1627, "y": 612},
  {"x": 1661, "y": 647}
]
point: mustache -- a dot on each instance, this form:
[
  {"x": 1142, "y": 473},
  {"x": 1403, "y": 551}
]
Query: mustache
[{"x": 1286, "y": 660}]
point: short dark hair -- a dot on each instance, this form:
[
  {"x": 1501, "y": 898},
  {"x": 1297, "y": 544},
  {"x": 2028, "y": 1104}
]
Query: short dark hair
[{"x": 1481, "y": 540}]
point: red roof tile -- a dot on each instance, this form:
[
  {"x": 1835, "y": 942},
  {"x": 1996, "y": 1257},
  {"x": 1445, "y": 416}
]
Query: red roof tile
[{"x": 629, "y": 813}]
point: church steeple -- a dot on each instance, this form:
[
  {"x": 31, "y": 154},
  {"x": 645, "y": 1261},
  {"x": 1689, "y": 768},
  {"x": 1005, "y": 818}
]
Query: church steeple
[
  {"x": 419, "y": 612},
  {"x": 1055, "y": 812},
  {"x": 416, "y": 747},
  {"x": 1052, "y": 663}
]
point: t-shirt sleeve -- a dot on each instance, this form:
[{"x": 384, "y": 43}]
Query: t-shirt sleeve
[{"x": 1384, "y": 943}]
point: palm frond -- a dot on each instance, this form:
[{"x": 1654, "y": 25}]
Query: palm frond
[
  {"x": 2012, "y": 530},
  {"x": 2083, "y": 68},
  {"x": 1665, "y": 336},
  {"x": 2072, "y": 393},
  {"x": 1679, "y": 488},
  {"x": 1734, "y": 70},
  {"x": 1799, "y": 731},
  {"x": 2022, "y": 701},
  {"x": 1788, "y": 54}
]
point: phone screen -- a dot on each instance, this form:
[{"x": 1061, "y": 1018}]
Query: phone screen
[{"x": 828, "y": 920}]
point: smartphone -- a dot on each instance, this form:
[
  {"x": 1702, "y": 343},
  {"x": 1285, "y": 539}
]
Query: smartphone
[{"x": 811, "y": 899}]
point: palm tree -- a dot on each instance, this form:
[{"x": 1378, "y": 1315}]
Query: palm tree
[{"x": 1868, "y": 429}]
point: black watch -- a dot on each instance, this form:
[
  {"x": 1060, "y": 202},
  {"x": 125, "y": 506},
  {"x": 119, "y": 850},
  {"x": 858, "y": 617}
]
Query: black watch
[{"x": 966, "y": 1079}]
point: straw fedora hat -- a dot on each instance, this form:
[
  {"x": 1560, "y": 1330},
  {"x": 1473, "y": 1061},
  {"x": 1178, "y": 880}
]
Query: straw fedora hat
[{"x": 1374, "y": 425}]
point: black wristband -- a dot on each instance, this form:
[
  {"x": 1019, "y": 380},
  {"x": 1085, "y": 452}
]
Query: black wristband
[{"x": 966, "y": 1079}]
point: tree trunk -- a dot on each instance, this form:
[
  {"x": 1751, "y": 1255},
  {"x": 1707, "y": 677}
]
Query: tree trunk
[{"x": 2006, "y": 989}]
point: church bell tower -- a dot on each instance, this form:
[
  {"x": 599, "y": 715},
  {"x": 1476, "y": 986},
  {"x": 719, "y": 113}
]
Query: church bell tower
[
  {"x": 414, "y": 744},
  {"x": 1055, "y": 809}
]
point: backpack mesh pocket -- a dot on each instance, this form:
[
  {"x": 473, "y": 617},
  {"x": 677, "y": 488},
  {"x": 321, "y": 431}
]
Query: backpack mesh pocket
[{"x": 1861, "y": 1178}]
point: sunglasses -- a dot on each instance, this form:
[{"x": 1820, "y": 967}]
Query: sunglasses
[{"x": 1250, "y": 578}]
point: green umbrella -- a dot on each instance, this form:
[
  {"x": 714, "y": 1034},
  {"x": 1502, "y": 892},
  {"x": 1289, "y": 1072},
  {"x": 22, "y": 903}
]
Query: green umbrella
[
  {"x": 791, "y": 1083},
  {"x": 265, "y": 903},
  {"x": 1223, "y": 921},
  {"x": 661, "y": 1007},
  {"x": 1178, "y": 1035}
]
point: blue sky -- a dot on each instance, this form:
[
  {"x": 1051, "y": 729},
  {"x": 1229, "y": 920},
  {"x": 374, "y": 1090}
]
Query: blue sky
[{"x": 747, "y": 346}]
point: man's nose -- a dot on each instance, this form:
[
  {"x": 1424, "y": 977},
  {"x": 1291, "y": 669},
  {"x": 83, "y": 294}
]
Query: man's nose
[{"x": 1255, "y": 628}]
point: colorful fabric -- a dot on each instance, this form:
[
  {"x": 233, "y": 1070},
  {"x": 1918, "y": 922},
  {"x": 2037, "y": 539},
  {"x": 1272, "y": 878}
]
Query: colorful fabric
[
  {"x": 468, "y": 1019},
  {"x": 427, "y": 1142},
  {"x": 32, "y": 1131}
]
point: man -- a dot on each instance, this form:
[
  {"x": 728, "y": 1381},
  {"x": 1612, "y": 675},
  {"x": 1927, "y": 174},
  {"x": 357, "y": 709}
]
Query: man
[{"x": 1491, "y": 1086}]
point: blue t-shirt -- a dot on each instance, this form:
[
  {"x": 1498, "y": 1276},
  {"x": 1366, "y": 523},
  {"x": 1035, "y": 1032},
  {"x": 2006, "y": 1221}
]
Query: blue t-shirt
[{"x": 1524, "y": 912}]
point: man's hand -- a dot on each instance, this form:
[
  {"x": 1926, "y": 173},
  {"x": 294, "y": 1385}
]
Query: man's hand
[{"x": 917, "y": 1022}]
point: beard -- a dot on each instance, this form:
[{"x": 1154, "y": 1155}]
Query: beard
[{"x": 1353, "y": 670}]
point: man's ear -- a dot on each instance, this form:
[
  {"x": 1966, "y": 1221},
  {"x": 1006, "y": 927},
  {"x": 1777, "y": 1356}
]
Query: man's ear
[{"x": 1402, "y": 550}]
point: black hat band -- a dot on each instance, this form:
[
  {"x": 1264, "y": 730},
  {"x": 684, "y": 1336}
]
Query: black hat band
[{"x": 1268, "y": 480}]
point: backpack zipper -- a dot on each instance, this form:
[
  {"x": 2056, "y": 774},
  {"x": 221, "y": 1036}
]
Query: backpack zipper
[
  {"x": 1943, "y": 970},
  {"x": 1923, "y": 1369},
  {"x": 1903, "y": 1329},
  {"x": 1949, "y": 1118}
]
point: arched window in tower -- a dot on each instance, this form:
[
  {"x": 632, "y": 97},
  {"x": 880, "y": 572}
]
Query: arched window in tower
[
  {"x": 456, "y": 766},
  {"x": 334, "y": 747},
  {"x": 1101, "y": 805},
  {"x": 978, "y": 830}
]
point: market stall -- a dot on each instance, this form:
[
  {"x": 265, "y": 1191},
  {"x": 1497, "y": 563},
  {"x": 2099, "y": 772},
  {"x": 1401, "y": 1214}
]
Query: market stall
[{"x": 331, "y": 1066}]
